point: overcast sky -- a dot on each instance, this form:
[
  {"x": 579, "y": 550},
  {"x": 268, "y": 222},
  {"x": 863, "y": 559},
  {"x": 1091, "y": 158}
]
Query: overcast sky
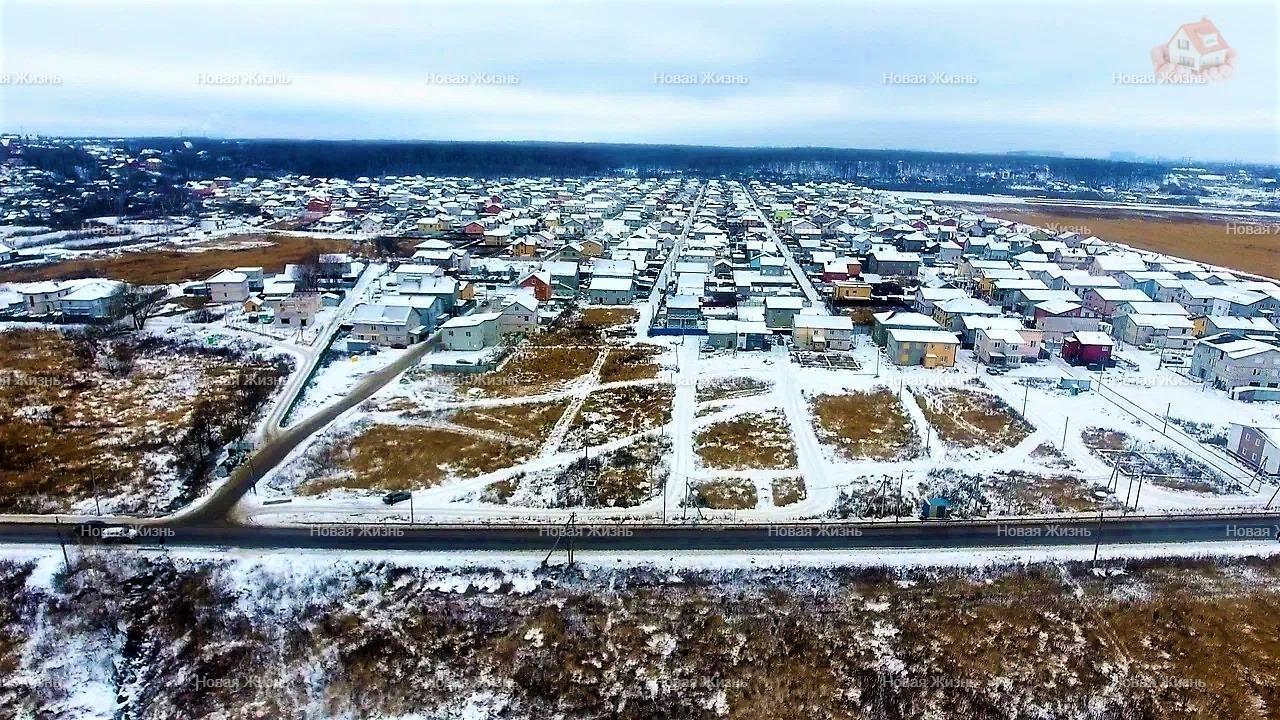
[{"x": 1022, "y": 75}]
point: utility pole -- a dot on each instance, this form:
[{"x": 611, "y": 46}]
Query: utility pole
[
  {"x": 1026, "y": 393},
  {"x": 1065, "y": 423},
  {"x": 1098, "y": 540},
  {"x": 411, "y": 508},
  {"x": 93, "y": 479},
  {"x": 897, "y": 507},
  {"x": 1168, "y": 408},
  {"x": 62, "y": 542}
]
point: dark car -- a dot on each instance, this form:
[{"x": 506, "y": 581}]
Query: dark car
[{"x": 398, "y": 496}]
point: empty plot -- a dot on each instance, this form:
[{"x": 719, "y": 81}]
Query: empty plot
[
  {"x": 730, "y": 388},
  {"x": 532, "y": 370},
  {"x": 617, "y": 412},
  {"x": 751, "y": 441},
  {"x": 633, "y": 362},
  {"x": 866, "y": 425},
  {"x": 972, "y": 419},
  {"x": 726, "y": 494}
]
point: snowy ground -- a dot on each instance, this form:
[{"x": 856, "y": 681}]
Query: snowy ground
[{"x": 1133, "y": 402}]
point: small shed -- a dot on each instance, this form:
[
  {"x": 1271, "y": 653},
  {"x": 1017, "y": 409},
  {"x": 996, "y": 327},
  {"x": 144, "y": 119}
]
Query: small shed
[{"x": 935, "y": 508}]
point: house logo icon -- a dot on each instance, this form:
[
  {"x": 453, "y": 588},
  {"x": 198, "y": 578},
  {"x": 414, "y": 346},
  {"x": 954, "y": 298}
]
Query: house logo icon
[{"x": 1197, "y": 52}]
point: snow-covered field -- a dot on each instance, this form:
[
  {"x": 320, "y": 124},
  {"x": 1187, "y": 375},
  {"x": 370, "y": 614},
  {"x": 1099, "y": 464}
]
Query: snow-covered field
[{"x": 1129, "y": 402}]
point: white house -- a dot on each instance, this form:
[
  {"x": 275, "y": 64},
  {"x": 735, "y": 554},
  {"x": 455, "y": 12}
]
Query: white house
[
  {"x": 228, "y": 286},
  {"x": 95, "y": 299},
  {"x": 391, "y": 325},
  {"x": 471, "y": 332},
  {"x": 610, "y": 291}
]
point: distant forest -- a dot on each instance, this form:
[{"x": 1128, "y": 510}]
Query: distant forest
[{"x": 207, "y": 158}]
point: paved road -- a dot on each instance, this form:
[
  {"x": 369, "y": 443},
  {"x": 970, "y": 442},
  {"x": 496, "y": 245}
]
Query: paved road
[
  {"x": 774, "y": 537},
  {"x": 660, "y": 284},
  {"x": 806, "y": 285}
]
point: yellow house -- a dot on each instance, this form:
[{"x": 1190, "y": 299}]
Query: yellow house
[
  {"x": 850, "y": 290},
  {"x": 591, "y": 248},
  {"x": 930, "y": 348},
  {"x": 466, "y": 291},
  {"x": 1199, "y": 325},
  {"x": 524, "y": 247}
]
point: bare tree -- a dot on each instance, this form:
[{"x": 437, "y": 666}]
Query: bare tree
[{"x": 141, "y": 304}]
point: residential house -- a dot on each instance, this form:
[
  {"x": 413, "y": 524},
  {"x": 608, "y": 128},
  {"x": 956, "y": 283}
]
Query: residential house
[
  {"x": 930, "y": 348},
  {"x": 611, "y": 291},
  {"x": 1257, "y": 446},
  {"x": 822, "y": 332},
  {"x": 471, "y": 332},
  {"x": 228, "y": 286},
  {"x": 781, "y": 310},
  {"x": 1229, "y": 361},
  {"x": 388, "y": 325},
  {"x": 890, "y": 320},
  {"x": 1085, "y": 347}
]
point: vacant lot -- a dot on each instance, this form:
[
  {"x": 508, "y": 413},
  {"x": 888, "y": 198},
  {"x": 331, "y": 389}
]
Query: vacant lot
[
  {"x": 621, "y": 411},
  {"x": 532, "y": 370},
  {"x": 412, "y": 456},
  {"x": 788, "y": 491},
  {"x": 866, "y": 425},
  {"x": 1011, "y": 493},
  {"x": 632, "y": 362},
  {"x": 972, "y": 419},
  {"x": 599, "y": 317},
  {"x": 1195, "y": 237},
  {"x": 729, "y": 388},
  {"x": 726, "y": 494},
  {"x": 752, "y": 441},
  {"x": 625, "y": 477},
  {"x": 155, "y": 267},
  {"x": 136, "y": 421}
]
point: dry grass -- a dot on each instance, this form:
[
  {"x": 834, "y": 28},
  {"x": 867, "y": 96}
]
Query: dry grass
[
  {"x": 618, "y": 412},
  {"x": 753, "y": 441},
  {"x": 1185, "y": 639},
  {"x": 154, "y": 267},
  {"x": 530, "y": 422},
  {"x": 789, "y": 491},
  {"x": 599, "y": 317},
  {"x": 1096, "y": 438},
  {"x": 633, "y": 362},
  {"x": 625, "y": 477},
  {"x": 532, "y": 370},
  {"x": 729, "y": 388},
  {"x": 726, "y": 494},
  {"x": 866, "y": 425},
  {"x": 1195, "y": 237},
  {"x": 972, "y": 419},
  {"x": 69, "y": 421},
  {"x": 403, "y": 457},
  {"x": 408, "y": 457}
]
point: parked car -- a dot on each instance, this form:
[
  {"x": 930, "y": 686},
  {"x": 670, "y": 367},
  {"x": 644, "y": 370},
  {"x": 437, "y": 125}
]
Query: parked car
[
  {"x": 398, "y": 496},
  {"x": 118, "y": 534}
]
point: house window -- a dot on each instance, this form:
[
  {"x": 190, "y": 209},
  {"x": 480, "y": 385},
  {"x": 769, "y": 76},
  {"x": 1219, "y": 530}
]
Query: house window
[{"x": 1184, "y": 44}]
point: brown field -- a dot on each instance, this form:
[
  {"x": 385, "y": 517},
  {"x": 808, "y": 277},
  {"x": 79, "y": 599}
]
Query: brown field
[
  {"x": 753, "y": 441},
  {"x": 155, "y": 267},
  {"x": 972, "y": 419},
  {"x": 866, "y": 425},
  {"x": 532, "y": 370},
  {"x": 73, "y": 419},
  {"x": 726, "y": 494},
  {"x": 404, "y": 457},
  {"x": 1164, "y": 639},
  {"x": 632, "y": 362},
  {"x": 789, "y": 491},
  {"x": 624, "y": 477},
  {"x": 1194, "y": 237},
  {"x": 621, "y": 411},
  {"x": 599, "y": 317}
]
